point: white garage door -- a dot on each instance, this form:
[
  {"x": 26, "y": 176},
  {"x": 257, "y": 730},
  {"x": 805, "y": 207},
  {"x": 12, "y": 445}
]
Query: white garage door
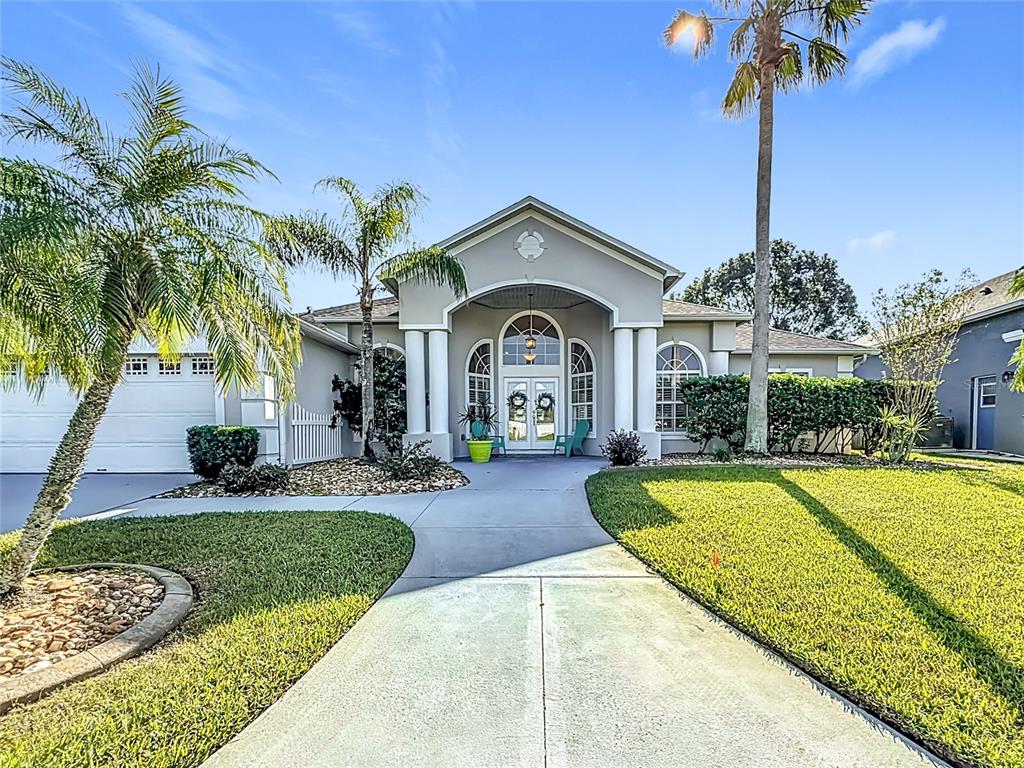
[{"x": 142, "y": 431}]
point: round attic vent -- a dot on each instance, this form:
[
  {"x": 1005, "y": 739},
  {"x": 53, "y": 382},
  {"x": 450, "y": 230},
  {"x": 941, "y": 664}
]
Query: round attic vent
[{"x": 530, "y": 245}]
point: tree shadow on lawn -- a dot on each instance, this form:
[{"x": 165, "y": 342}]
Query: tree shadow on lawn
[
  {"x": 1004, "y": 677},
  {"x": 1000, "y": 674}
]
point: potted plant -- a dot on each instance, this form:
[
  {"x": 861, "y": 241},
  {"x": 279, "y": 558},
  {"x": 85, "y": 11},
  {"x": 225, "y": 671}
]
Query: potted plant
[{"x": 481, "y": 419}]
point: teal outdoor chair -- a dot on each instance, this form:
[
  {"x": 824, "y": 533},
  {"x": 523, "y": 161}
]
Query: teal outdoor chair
[
  {"x": 573, "y": 441},
  {"x": 497, "y": 441}
]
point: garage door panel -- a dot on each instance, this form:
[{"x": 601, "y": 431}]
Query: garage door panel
[{"x": 142, "y": 431}]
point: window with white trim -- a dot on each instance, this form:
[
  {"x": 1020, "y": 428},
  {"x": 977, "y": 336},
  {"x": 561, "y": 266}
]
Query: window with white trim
[
  {"x": 168, "y": 368},
  {"x": 479, "y": 381},
  {"x": 794, "y": 371},
  {"x": 675, "y": 362},
  {"x": 136, "y": 366},
  {"x": 202, "y": 366},
  {"x": 515, "y": 346},
  {"x": 987, "y": 393},
  {"x": 389, "y": 351},
  {"x": 581, "y": 385}
]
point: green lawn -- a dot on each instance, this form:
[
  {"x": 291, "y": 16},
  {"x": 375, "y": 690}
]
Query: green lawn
[
  {"x": 902, "y": 588},
  {"x": 275, "y": 591}
]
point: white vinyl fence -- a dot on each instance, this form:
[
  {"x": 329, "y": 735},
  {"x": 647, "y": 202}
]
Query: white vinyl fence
[{"x": 312, "y": 438}]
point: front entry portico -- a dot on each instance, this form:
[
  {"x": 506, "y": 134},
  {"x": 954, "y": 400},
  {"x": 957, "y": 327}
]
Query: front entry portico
[{"x": 532, "y": 425}]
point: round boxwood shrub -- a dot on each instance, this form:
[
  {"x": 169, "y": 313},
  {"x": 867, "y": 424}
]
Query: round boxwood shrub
[{"x": 211, "y": 447}]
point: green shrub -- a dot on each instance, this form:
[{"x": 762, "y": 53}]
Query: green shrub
[
  {"x": 413, "y": 462},
  {"x": 832, "y": 410},
  {"x": 722, "y": 455},
  {"x": 211, "y": 447},
  {"x": 716, "y": 409},
  {"x": 236, "y": 478}
]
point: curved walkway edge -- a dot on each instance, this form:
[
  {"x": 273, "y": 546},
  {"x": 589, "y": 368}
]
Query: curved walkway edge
[{"x": 521, "y": 634}]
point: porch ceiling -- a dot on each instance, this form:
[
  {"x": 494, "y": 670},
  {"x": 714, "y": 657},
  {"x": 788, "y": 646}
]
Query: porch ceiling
[{"x": 518, "y": 297}]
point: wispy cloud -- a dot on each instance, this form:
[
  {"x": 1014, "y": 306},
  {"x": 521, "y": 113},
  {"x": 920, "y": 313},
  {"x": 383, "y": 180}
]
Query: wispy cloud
[
  {"x": 361, "y": 29},
  {"x": 872, "y": 243},
  {"x": 895, "y": 48},
  {"x": 204, "y": 72}
]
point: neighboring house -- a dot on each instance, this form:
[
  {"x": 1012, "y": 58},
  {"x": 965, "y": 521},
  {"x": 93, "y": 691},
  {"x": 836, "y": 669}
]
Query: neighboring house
[
  {"x": 975, "y": 391},
  {"x": 609, "y": 348}
]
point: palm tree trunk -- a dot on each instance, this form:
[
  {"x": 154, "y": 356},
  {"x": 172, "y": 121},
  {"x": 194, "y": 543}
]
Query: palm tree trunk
[
  {"x": 366, "y": 357},
  {"x": 63, "y": 474},
  {"x": 757, "y": 408}
]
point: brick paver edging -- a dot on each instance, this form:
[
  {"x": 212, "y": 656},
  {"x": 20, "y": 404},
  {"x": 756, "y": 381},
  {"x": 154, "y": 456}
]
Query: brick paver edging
[{"x": 176, "y": 602}]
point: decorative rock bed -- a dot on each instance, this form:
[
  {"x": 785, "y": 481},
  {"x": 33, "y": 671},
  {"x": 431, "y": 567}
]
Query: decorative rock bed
[
  {"x": 72, "y": 623},
  {"x": 337, "y": 477}
]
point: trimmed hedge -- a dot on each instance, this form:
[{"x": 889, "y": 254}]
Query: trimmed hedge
[
  {"x": 211, "y": 447},
  {"x": 831, "y": 410}
]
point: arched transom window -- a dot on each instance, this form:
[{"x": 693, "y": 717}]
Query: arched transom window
[
  {"x": 514, "y": 347},
  {"x": 388, "y": 350},
  {"x": 581, "y": 385},
  {"x": 479, "y": 375},
  {"x": 676, "y": 361}
]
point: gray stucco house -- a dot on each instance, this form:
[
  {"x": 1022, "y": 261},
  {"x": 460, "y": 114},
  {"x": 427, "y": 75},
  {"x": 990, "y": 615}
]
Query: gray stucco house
[
  {"x": 975, "y": 391},
  {"x": 609, "y": 347}
]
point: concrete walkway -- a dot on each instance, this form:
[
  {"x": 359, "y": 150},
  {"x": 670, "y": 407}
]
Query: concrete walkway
[{"x": 521, "y": 635}]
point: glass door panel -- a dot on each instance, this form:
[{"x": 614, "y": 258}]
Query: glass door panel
[
  {"x": 544, "y": 426},
  {"x": 518, "y": 434}
]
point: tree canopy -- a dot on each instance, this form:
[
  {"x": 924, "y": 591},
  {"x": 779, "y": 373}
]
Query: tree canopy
[{"x": 808, "y": 295}]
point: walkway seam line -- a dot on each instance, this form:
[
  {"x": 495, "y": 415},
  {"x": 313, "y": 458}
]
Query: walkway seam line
[
  {"x": 543, "y": 676},
  {"x": 423, "y": 512}
]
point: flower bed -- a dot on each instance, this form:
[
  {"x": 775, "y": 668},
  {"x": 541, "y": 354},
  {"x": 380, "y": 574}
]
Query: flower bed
[
  {"x": 337, "y": 477},
  {"x": 58, "y": 615}
]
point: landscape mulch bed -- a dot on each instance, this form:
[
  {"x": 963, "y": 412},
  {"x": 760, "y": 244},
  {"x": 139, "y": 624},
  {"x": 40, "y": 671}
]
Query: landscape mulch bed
[
  {"x": 59, "y": 614},
  {"x": 337, "y": 477}
]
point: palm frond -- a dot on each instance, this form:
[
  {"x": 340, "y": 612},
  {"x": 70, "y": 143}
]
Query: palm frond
[
  {"x": 824, "y": 60},
  {"x": 699, "y": 24},
  {"x": 742, "y": 40},
  {"x": 433, "y": 265},
  {"x": 837, "y": 18},
  {"x": 312, "y": 240},
  {"x": 741, "y": 96},
  {"x": 789, "y": 73}
]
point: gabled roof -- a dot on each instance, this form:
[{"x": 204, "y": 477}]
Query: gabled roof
[
  {"x": 385, "y": 309},
  {"x": 670, "y": 274},
  {"x": 674, "y": 309},
  {"x": 314, "y": 330},
  {"x": 787, "y": 342}
]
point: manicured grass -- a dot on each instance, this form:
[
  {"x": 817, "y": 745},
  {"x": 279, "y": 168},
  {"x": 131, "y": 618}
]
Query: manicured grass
[
  {"x": 901, "y": 588},
  {"x": 275, "y": 591}
]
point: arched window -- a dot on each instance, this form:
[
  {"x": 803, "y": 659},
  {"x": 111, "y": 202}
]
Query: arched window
[
  {"x": 676, "y": 361},
  {"x": 514, "y": 350},
  {"x": 479, "y": 384},
  {"x": 581, "y": 385},
  {"x": 388, "y": 350}
]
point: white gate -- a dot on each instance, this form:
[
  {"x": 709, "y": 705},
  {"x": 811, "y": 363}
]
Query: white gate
[{"x": 312, "y": 438}]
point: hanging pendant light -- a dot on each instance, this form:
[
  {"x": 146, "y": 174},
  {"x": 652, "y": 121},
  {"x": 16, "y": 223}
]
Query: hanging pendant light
[{"x": 531, "y": 343}]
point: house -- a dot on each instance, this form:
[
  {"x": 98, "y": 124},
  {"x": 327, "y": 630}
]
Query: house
[
  {"x": 975, "y": 391},
  {"x": 561, "y": 322}
]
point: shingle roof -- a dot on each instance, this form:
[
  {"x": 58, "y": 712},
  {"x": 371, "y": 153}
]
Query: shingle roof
[
  {"x": 786, "y": 341},
  {"x": 383, "y": 307},
  {"x": 677, "y": 308},
  {"x": 993, "y": 294}
]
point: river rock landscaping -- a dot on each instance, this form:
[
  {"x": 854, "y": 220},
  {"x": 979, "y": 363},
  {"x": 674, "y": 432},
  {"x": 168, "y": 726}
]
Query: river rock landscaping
[
  {"x": 60, "y": 614},
  {"x": 337, "y": 477}
]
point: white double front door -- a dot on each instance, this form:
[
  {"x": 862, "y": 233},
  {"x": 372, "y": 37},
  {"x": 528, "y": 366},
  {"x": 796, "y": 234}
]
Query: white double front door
[{"x": 532, "y": 408}]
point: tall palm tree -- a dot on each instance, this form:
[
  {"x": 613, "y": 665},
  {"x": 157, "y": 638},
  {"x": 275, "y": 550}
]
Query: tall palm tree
[
  {"x": 141, "y": 234},
  {"x": 362, "y": 244},
  {"x": 772, "y": 41}
]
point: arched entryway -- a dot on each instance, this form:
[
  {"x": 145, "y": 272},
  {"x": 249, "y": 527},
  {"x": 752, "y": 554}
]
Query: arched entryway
[{"x": 531, "y": 380}]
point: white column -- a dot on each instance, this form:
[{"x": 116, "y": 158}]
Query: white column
[
  {"x": 415, "y": 383},
  {"x": 439, "y": 382},
  {"x": 718, "y": 363},
  {"x": 622, "y": 342},
  {"x": 646, "y": 352}
]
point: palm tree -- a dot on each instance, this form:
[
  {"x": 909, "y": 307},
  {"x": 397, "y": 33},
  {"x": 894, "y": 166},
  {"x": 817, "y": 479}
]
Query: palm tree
[
  {"x": 770, "y": 55},
  {"x": 362, "y": 244},
  {"x": 134, "y": 235}
]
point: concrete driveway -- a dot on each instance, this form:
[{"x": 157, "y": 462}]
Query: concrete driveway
[
  {"x": 96, "y": 492},
  {"x": 521, "y": 635}
]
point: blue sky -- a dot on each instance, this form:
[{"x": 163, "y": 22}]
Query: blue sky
[{"x": 915, "y": 160}]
